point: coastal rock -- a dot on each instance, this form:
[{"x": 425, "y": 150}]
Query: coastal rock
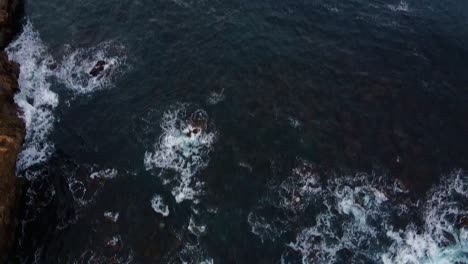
[
  {"x": 12, "y": 130},
  {"x": 10, "y": 16},
  {"x": 11, "y": 137},
  {"x": 98, "y": 68},
  {"x": 464, "y": 221}
]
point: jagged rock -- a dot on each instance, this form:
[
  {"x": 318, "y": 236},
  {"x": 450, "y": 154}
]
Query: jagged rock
[
  {"x": 12, "y": 131},
  {"x": 98, "y": 68},
  {"x": 10, "y": 16},
  {"x": 464, "y": 221},
  {"x": 11, "y": 137}
]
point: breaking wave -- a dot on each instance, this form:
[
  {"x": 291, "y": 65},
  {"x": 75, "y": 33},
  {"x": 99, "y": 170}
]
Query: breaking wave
[
  {"x": 352, "y": 216},
  {"x": 75, "y": 68},
  {"x": 183, "y": 148},
  {"x": 36, "y": 100},
  {"x": 363, "y": 219},
  {"x": 443, "y": 238},
  {"x": 39, "y": 71}
]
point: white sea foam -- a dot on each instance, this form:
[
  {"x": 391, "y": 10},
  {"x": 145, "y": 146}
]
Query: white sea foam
[
  {"x": 183, "y": 151},
  {"x": 75, "y": 68},
  {"x": 358, "y": 214},
  {"x": 35, "y": 98},
  {"x": 265, "y": 229},
  {"x": 38, "y": 71},
  {"x": 90, "y": 256},
  {"x": 442, "y": 239},
  {"x": 193, "y": 252},
  {"x": 207, "y": 261},
  {"x": 339, "y": 216},
  {"x": 297, "y": 191},
  {"x": 291, "y": 197},
  {"x": 196, "y": 229},
  {"x": 104, "y": 174},
  {"x": 216, "y": 97},
  {"x": 350, "y": 203},
  {"x": 294, "y": 122},
  {"x": 402, "y": 6},
  {"x": 114, "y": 241},
  {"x": 84, "y": 189},
  {"x": 111, "y": 251},
  {"x": 246, "y": 166},
  {"x": 158, "y": 205},
  {"x": 81, "y": 194},
  {"x": 114, "y": 217},
  {"x": 332, "y": 8}
]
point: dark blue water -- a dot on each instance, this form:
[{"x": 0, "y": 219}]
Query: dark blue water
[{"x": 327, "y": 132}]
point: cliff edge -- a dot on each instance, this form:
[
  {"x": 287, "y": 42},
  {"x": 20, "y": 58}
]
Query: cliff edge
[{"x": 12, "y": 129}]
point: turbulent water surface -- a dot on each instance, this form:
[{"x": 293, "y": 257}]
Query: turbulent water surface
[{"x": 254, "y": 131}]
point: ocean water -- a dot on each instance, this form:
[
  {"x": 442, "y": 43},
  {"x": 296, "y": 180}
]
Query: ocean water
[{"x": 244, "y": 131}]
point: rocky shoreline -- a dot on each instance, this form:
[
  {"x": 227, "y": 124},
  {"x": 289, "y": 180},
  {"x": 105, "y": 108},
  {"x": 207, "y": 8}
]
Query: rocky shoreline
[{"x": 12, "y": 129}]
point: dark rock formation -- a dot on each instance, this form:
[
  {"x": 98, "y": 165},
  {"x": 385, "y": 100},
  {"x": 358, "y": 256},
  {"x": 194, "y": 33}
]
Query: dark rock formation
[
  {"x": 10, "y": 17},
  {"x": 11, "y": 137},
  {"x": 12, "y": 131},
  {"x": 98, "y": 68}
]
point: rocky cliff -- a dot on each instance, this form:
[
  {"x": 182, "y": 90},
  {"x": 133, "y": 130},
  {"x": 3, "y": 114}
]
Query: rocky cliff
[
  {"x": 12, "y": 129},
  {"x": 10, "y": 16}
]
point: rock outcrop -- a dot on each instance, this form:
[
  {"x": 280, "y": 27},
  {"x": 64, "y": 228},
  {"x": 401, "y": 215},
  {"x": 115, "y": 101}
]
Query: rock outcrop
[
  {"x": 10, "y": 17},
  {"x": 12, "y": 130}
]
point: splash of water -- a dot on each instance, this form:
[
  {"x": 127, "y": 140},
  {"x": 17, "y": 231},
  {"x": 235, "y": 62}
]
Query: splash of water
[
  {"x": 158, "y": 205},
  {"x": 364, "y": 218},
  {"x": 75, "y": 68},
  {"x": 35, "y": 99},
  {"x": 443, "y": 238},
  {"x": 183, "y": 148},
  {"x": 38, "y": 71}
]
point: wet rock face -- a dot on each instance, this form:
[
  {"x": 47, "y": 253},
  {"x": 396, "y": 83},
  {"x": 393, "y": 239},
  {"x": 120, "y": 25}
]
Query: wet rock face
[
  {"x": 12, "y": 130},
  {"x": 11, "y": 137},
  {"x": 98, "y": 68},
  {"x": 10, "y": 16}
]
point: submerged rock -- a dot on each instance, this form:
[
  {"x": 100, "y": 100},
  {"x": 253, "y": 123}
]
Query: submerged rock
[
  {"x": 12, "y": 130},
  {"x": 199, "y": 121},
  {"x": 98, "y": 68},
  {"x": 464, "y": 222}
]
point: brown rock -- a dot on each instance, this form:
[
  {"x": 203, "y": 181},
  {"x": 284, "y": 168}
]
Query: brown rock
[
  {"x": 464, "y": 221},
  {"x": 12, "y": 131},
  {"x": 11, "y": 137},
  {"x": 199, "y": 120},
  {"x": 10, "y": 16},
  {"x": 3, "y": 17}
]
